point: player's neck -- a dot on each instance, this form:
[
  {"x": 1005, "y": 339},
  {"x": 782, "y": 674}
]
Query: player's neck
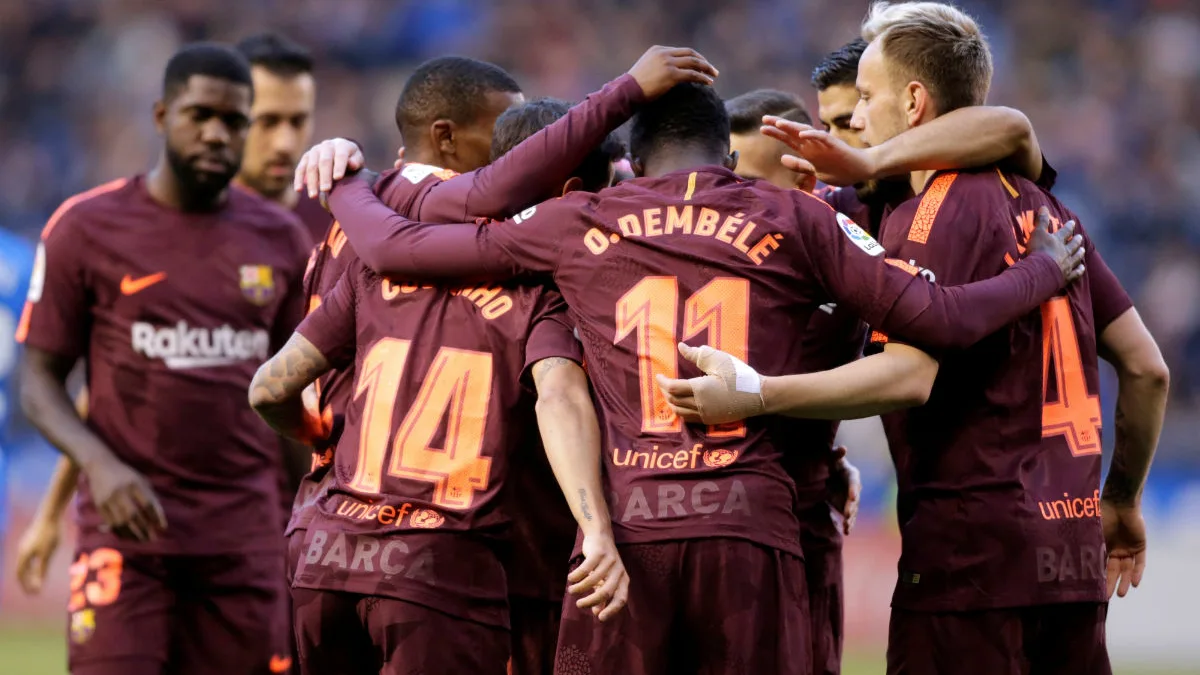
[
  {"x": 682, "y": 160},
  {"x": 166, "y": 189},
  {"x": 287, "y": 199},
  {"x": 918, "y": 179},
  {"x": 424, "y": 155}
]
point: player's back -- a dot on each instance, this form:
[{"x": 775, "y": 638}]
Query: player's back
[
  {"x": 999, "y": 472},
  {"x": 705, "y": 257},
  {"x": 173, "y": 313},
  {"x": 429, "y": 436}
]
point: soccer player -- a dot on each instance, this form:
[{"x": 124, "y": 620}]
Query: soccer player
[
  {"x": 1003, "y": 525},
  {"x": 758, "y": 155},
  {"x": 704, "y": 517},
  {"x": 281, "y": 125},
  {"x": 438, "y": 601},
  {"x": 174, "y": 288},
  {"x": 531, "y": 163}
]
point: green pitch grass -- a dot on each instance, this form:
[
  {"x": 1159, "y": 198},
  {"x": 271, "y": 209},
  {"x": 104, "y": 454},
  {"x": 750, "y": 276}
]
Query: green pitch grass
[{"x": 41, "y": 650}]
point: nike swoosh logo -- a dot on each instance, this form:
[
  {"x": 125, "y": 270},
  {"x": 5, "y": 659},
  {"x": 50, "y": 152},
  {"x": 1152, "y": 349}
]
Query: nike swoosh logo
[{"x": 129, "y": 285}]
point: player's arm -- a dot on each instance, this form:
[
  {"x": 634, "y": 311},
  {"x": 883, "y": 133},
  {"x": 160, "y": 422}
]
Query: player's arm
[
  {"x": 1142, "y": 386},
  {"x": 967, "y": 137},
  {"x": 571, "y": 436},
  {"x": 323, "y": 341},
  {"x": 40, "y": 539},
  {"x": 730, "y": 390},
  {"x": 276, "y": 393},
  {"x": 394, "y": 246},
  {"x": 891, "y": 296},
  {"x": 541, "y": 163}
]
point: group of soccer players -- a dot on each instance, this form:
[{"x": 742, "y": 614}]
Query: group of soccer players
[{"x": 589, "y": 428}]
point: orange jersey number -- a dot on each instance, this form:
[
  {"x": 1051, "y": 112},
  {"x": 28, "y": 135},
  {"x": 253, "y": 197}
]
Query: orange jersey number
[
  {"x": 1076, "y": 414},
  {"x": 457, "y": 387},
  {"x": 649, "y": 310},
  {"x": 104, "y": 589}
]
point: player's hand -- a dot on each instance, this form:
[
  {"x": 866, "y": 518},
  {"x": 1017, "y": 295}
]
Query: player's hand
[
  {"x": 831, "y": 159},
  {"x": 729, "y": 390},
  {"x": 661, "y": 68},
  {"x": 399, "y": 163},
  {"x": 1063, "y": 245},
  {"x": 34, "y": 551},
  {"x": 125, "y": 500},
  {"x": 601, "y": 578},
  {"x": 845, "y": 487},
  {"x": 325, "y": 163},
  {"x": 1125, "y": 539}
]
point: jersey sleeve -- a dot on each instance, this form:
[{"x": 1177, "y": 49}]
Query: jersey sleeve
[
  {"x": 538, "y": 165},
  {"x": 331, "y": 327},
  {"x": 394, "y": 246},
  {"x": 552, "y": 333},
  {"x": 1109, "y": 298},
  {"x": 890, "y": 296},
  {"x": 57, "y": 315}
]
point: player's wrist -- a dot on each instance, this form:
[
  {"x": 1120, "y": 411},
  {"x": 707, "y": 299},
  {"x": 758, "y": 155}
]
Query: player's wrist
[
  {"x": 770, "y": 394},
  {"x": 876, "y": 163}
]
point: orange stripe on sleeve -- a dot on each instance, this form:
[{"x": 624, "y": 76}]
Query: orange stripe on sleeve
[
  {"x": 23, "y": 325},
  {"x": 1012, "y": 191},
  {"x": 902, "y": 265},
  {"x": 71, "y": 202},
  {"x": 931, "y": 203}
]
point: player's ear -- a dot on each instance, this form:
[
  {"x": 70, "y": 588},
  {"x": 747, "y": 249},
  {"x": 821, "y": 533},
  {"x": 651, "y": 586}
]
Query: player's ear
[
  {"x": 731, "y": 161},
  {"x": 573, "y": 183},
  {"x": 916, "y": 103},
  {"x": 160, "y": 116},
  {"x": 441, "y": 135}
]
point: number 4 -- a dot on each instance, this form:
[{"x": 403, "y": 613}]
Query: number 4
[
  {"x": 1076, "y": 414},
  {"x": 722, "y": 308}
]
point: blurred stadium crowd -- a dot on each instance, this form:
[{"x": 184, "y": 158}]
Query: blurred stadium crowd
[{"x": 1112, "y": 87}]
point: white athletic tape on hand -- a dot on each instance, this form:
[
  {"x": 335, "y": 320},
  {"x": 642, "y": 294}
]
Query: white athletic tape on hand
[{"x": 746, "y": 379}]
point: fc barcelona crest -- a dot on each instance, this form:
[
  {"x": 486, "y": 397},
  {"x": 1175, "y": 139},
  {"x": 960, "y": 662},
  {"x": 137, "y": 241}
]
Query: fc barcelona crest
[
  {"x": 258, "y": 283},
  {"x": 83, "y": 625}
]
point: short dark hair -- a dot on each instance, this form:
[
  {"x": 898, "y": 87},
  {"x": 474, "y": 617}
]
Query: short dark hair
[
  {"x": 277, "y": 54},
  {"x": 746, "y": 111},
  {"x": 448, "y": 87},
  {"x": 689, "y": 114},
  {"x": 522, "y": 121},
  {"x": 209, "y": 59},
  {"x": 839, "y": 66}
]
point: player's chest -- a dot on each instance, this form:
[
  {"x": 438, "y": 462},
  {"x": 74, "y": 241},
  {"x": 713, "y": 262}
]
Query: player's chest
[{"x": 186, "y": 276}]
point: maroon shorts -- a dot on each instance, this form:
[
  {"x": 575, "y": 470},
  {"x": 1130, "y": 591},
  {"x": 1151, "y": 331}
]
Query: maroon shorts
[
  {"x": 1063, "y": 639},
  {"x": 823, "y": 567},
  {"x": 141, "y": 613},
  {"x": 534, "y": 624},
  {"x": 350, "y": 634},
  {"x": 704, "y": 606}
]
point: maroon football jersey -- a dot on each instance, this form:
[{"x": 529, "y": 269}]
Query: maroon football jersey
[
  {"x": 416, "y": 508},
  {"x": 174, "y": 312},
  {"x": 999, "y": 473},
  {"x": 534, "y": 168},
  {"x": 700, "y": 256},
  {"x": 315, "y": 218}
]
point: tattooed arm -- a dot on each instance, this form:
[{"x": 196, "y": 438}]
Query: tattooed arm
[
  {"x": 571, "y": 434},
  {"x": 1142, "y": 384},
  {"x": 276, "y": 392}
]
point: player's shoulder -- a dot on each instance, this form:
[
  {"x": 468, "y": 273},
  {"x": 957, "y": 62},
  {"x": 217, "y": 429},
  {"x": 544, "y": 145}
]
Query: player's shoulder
[
  {"x": 967, "y": 201},
  {"x": 80, "y": 210}
]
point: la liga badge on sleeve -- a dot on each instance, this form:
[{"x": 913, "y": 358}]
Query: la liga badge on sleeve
[{"x": 257, "y": 283}]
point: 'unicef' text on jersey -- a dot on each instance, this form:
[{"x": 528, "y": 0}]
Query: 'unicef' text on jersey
[{"x": 182, "y": 347}]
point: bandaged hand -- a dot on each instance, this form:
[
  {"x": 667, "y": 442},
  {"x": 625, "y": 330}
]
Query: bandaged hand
[{"x": 729, "y": 391}]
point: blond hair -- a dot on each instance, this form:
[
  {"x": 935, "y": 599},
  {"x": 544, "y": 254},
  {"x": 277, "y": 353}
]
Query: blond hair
[{"x": 936, "y": 44}]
